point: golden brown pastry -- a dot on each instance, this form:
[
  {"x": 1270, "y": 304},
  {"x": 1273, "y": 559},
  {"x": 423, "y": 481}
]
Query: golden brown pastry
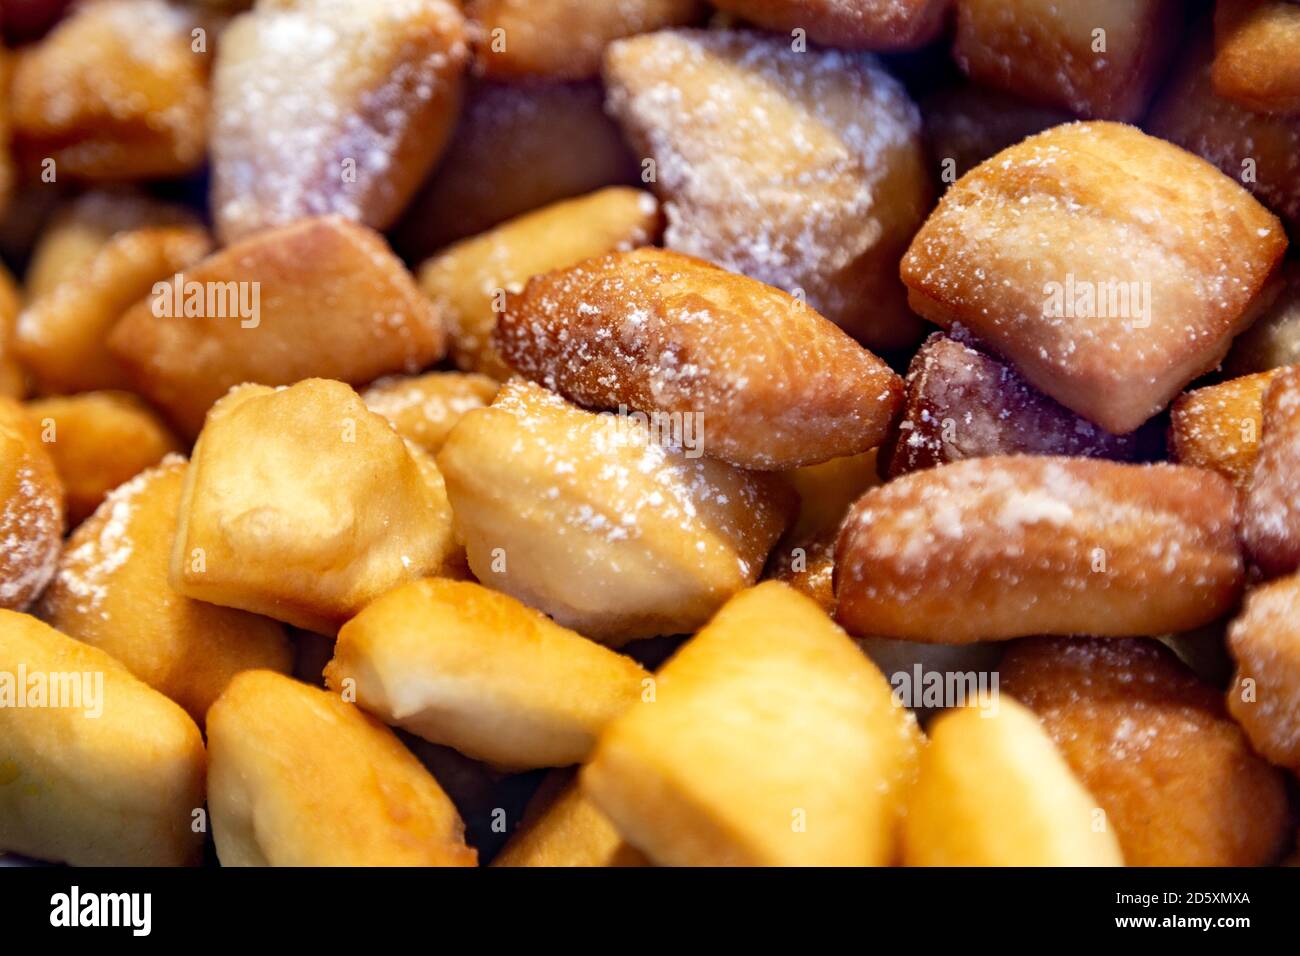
[
  {"x": 772, "y": 741},
  {"x": 1176, "y": 778},
  {"x": 1098, "y": 60},
  {"x": 1257, "y": 54},
  {"x": 31, "y": 509},
  {"x": 1218, "y": 426},
  {"x": 1259, "y": 150},
  {"x": 118, "y": 90},
  {"x": 76, "y": 229},
  {"x": 96, "y": 261},
  {"x": 322, "y": 298},
  {"x": 331, "y": 106},
  {"x": 1264, "y": 696},
  {"x": 763, "y": 381},
  {"x": 99, "y": 440},
  {"x": 461, "y": 665},
  {"x": 1002, "y": 547},
  {"x": 303, "y": 505},
  {"x": 564, "y": 39},
  {"x": 592, "y": 520},
  {"x": 425, "y": 408},
  {"x": 993, "y": 790},
  {"x": 562, "y": 827},
  {"x": 96, "y": 768},
  {"x": 297, "y": 777},
  {"x": 1109, "y": 267},
  {"x": 1271, "y": 510},
  {"x": 468, "y": 282},
  {"x": 811, "y": 178},
  {"x": 111, "y": 591},
  {"x": 859, "y": 24}
]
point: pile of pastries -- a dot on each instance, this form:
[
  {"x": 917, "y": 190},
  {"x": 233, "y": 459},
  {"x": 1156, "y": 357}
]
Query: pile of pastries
[{"x": 584, "y": 432}]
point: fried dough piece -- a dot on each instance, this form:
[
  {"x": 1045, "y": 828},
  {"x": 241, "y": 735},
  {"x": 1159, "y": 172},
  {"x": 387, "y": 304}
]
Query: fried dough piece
[
  {"x": 683, "y": 780},
  {"x": 319, "y": 298},
  {"x": 461, "y": 665},
  {"x": 1274, "y": 339},
  {"x": 1271, "y": 511},
  {"x": 1259, "y": 150},
  {"x": 63, "y": 333},
  {"x": 564, "y": 39},
  {"x": 811, "y": 179},
  {"x": 1109, "y": 267},
  {"x": 425, "y": 408},
  {"x": 887, "y": 25},
  {"x": 300, "y": 778},
  {"x": 771, "y": 384},
  {"x": 1002, "y": 547},
  {"x": 966, "y": 125},
  {"x": 1264, "y": 696},
  {"x": 111, "y": 591},
  {"x": 303, "y": 505},
  {"x": 79, "y": 228},
  {"x": 1177, "y": 781},
  {"x": 1257, "y": 54},
  {"x": 118, "y": 90},
  {"x": 962, "y": 403},
  {"x": 31, "y": 509},
  {"x": 1218, "y": 426},
  {"x": 99, "y": 440},
  {"x": 589, "y": 519},
  {"x": 563, "y": 828},
  {"x": 468, "y": 281},
  {"x": 993, "y": 790},
  {"x": 331, "y": 106},
  {"x": 1100, "y": 60},
  {"x": 517, "y": 148},
  {"x": 111, "y": 775}
]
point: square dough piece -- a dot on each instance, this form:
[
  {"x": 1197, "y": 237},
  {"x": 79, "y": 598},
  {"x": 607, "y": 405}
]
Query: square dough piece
[
  {"x": 321, "y": 297},
  {"x": 1110, "y": 267},
  {"x": 303, "y": 505},
  {"x": 1257, "y": 54},
  {"x": 802, "y": 170},
  {"x": 110, "y": 776},
  {"x": 1100, "y": 59},
  {"x": 772, "y": 741},
  {"x": 1259, "y": 150}
]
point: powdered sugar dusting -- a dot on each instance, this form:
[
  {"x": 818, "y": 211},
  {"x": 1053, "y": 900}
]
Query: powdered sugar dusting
[
  {"x": 300, "y": 92},
  {"x": 31, "y": 525},
  {"x": 88, "y": 564},
  {"x": 770, "y": 162}
]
